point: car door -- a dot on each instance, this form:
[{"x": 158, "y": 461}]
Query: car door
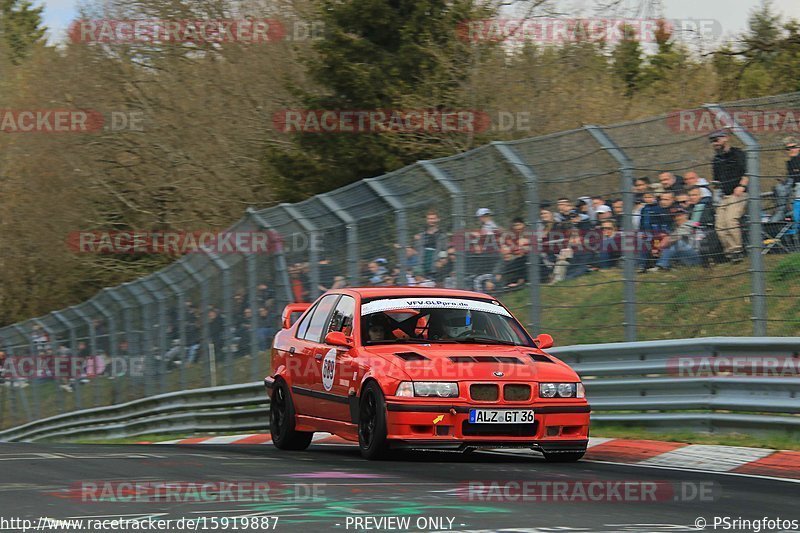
[
  {"x": 303, "y": 367},
  {"x": 336, "y": 365}
]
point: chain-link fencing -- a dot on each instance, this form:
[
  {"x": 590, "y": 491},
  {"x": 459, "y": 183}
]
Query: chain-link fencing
[{"x": 561, "y": 228}]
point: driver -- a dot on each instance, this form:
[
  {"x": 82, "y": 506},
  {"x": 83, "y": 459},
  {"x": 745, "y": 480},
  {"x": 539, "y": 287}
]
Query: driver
[
  {"x": 456, "y": 324},
  {"x": 377, "y": 328}
]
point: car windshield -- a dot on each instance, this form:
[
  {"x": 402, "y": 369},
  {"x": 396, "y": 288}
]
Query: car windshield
[{"x": 439, "y": 320}]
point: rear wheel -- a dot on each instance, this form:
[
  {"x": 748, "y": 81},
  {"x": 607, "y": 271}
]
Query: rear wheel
[
  {"x": 372, "y": 422},
  {"x": 282, "y": 421},
  {"x": 563, "y": 457}
]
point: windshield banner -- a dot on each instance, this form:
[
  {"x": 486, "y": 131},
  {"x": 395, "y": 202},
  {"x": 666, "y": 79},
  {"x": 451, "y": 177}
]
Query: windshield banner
[{"x": 378, "y": 306}]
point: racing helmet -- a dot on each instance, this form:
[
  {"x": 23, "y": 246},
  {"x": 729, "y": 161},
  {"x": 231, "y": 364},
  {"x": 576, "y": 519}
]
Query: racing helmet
[{"x": 457, "y": 323}]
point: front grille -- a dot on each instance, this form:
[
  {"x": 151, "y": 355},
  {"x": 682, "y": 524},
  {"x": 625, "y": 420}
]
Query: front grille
[
  {"x": 517, "y": 392},
  {"x": 484, "y": 392},
  {"x": 498, "y": 430}
]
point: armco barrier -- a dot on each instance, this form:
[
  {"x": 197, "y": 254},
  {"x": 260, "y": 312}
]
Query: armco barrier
[{"x": 627, "y": 383}]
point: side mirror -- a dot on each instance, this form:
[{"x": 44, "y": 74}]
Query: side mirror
[
  {"x": 337, "y": 338},
  {"x": 543, "y": 341}
]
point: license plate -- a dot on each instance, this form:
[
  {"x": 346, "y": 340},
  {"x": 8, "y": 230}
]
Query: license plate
[{"x": 500, "y": 416}]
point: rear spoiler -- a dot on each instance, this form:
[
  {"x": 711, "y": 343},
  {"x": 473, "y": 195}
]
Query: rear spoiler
[{"x": 289, "y": 310}]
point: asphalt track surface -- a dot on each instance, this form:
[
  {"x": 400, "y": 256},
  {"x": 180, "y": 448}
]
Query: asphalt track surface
[{"x": 40, "y": 480}]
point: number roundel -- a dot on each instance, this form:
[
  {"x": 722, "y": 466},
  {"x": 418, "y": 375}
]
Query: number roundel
[{"x": 329, "y": 369}]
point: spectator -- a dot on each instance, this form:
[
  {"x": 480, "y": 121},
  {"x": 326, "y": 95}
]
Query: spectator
[
  {"x": 488, "y": 226},
  {"x": 604, "y": 213},
  {"x": 785, "y": 190},
  {"x": 584, "y": 207},
  {"x": 618, "y": 210},
  {"x": 215, "y": 330},
  {"x": 640, "y": 187},
  {"x": 730, "y": 167},
  {"x": 681, "y": 199},
  {"x": 326, "y": 275},
  {"x": 377, "y": 270},
  {"x": 653, "y": 226},
  {"x": 564, "y": 206},
  {"x": 547, "y": 222},
  {"x": 670, "y": 182},
  {"x": 430, "y": 243},
  {"x": 693, "y": 179},
  {"x": 680, "y": 244},
  {"x": 666, "y": 201},
  {"x": 579, "y": 221},
  {"x": 700, "y": 207},
  {"x": 515, "y": 249},
  {"x": 597, "y": 201},
  {"x": 443, "y": 269},
  {"x": 610, "y": 245}
]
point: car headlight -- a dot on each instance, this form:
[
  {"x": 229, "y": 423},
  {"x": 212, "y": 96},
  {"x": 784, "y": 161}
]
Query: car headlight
[
  {"x": 562, "y": 390},
  {"x": 429, "y": 389},
  {"x": 547, "y": 390}
]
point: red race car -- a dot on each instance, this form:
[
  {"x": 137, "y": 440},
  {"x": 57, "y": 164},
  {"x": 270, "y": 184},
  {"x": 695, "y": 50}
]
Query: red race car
[{"x": 402, "y": 367}]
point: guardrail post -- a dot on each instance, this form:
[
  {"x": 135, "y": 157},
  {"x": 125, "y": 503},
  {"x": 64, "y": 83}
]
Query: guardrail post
[
  {"x": 755, "y": 243},
  {"x": 628, "y": 251},
  {"x": 73, "y": 348},
  {"x": 401, "y": 218},
  {"x": 459, "y": 222},
  {"x": 313, "y": 252},
  {"x": 276, "y": 247},
  {"x": 227, "y": 309},
  {"x": 352, "y": 236},
  {"x": 533, "y": 204},
  {"x": 161, "y": 365},
  {"x": 92, "y": 347}
]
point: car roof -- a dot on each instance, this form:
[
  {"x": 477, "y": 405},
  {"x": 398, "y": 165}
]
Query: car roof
[{"x": 387, "y": 292}]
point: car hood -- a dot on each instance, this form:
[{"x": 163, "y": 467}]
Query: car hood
[{"x": 467, "y": 362}]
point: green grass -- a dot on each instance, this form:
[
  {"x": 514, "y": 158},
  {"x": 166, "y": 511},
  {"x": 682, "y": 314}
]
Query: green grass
[
  {"x": 786, "y": 441},
  {"x": 682, "y": 303}
]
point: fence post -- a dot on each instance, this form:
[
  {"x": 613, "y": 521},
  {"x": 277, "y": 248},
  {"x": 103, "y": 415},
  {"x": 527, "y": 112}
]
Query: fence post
[
  {"x": 159, "y": 298},
  {"x": 459, "y": 223},
  {"x": 352, "y": 236},
  {"x": 628, "y": 252},
  {"x": 401, "y": 219},
  {"x": 37, "y": 380},
  {"x": 313, "y": 237},
  {"x": 281, "y": 272},
  {"x": 73, "y": 348},
  {"x": 534, "y": 207},
  {"x": 755, "y": 243}
]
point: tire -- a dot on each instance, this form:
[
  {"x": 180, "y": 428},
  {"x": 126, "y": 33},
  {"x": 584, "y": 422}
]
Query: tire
[
  {"x": 372, "y": 423},
  {"x": 563, "y": 457},
  {"x": 282, "y": 421}
]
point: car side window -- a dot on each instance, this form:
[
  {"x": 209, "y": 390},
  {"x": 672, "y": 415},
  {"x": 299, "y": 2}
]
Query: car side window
[
  {"x": 342, "y": 318},
  {"x": 303, "y": 326},
  {"x": 320, "y": 318}
]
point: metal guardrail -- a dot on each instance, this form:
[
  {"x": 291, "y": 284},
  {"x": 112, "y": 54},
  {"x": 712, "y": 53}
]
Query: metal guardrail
[{"x": 627, "y": 383}]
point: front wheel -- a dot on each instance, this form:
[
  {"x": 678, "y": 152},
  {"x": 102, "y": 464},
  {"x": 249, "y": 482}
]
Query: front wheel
[
  {"x": 282, "y": 421},
  {"x": 563, "y": 457},
  {"x": 372, "y": 422}
]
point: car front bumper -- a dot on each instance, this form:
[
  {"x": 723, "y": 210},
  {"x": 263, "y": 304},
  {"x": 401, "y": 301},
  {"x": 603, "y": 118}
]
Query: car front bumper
[{"x": 556, "y": 427}]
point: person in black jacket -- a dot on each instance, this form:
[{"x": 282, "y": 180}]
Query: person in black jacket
[{"x": 730, "y": 168}]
